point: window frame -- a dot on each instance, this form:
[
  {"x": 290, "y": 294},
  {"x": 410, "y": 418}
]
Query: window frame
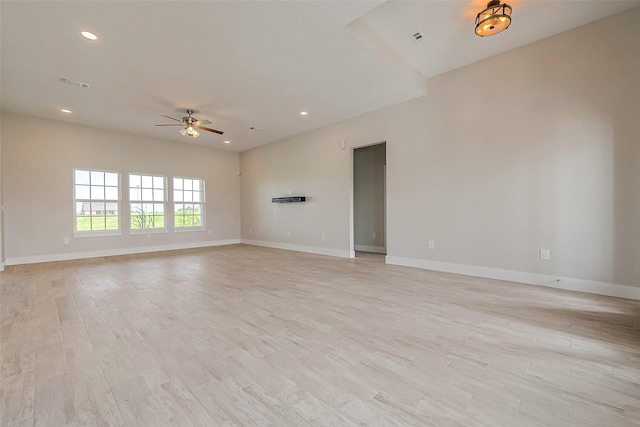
[
  {"x": 202, "y": 226},
  {"x": 164, "y": 228},
  {"x": 76, "y": 200}
]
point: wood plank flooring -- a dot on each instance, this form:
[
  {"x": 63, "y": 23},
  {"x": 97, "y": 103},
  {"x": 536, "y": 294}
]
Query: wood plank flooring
[{"x": 247, "y": 336}]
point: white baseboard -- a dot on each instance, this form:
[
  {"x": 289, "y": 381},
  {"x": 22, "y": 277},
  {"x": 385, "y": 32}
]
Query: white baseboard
[
  {"x": 113, "y": 252},
  {"x": 566, "y": 283},
  {"x": 372, "y": 249},
  {"x": 1, "y": 266},
  {"x": 558, "y": 282},
  {"x": 299, "y": 248}
]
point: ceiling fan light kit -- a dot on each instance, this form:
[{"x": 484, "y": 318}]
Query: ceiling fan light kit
[
  {"x": 191, "y": 131},
  {"x": 191, "y": 124},
  {"x": 494, "y": 19}
]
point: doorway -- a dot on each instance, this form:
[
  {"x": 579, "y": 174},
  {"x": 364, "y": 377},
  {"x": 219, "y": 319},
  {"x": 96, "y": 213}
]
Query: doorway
[{"x": 369, "y": 201}]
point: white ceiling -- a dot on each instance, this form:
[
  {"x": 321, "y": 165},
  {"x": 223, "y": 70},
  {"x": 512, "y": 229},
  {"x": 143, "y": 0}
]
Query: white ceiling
[{"x": 246, "y": 64}]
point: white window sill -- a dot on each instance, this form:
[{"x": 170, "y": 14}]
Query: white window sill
[
  {"x": 149, "y": 231},
  {"x": 187, "y": 229}
]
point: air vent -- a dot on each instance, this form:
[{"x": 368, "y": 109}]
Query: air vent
[
  {"x": 417, "y": 37},
  {"x": 69, "y": 82}
]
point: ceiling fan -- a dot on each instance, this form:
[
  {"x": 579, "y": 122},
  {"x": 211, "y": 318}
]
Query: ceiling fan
[{"x": 191, "y": 124}]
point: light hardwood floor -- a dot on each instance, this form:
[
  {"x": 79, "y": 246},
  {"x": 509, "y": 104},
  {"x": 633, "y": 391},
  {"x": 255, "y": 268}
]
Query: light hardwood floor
[{"x": 247, "y": 336}]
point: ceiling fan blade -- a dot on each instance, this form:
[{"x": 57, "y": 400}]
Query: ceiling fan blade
[
  {"x": 202, "y": 122},
  {"x": 172, "y": 124},
  {"x": 219, "y": 132},
  {"x": 172, "y": 118}
]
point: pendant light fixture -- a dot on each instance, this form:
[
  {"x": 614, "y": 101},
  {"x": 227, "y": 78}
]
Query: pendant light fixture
[{"x": 494, "y": 19}]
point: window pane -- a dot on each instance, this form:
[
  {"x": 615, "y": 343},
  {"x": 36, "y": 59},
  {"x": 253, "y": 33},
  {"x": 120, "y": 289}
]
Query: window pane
[
  {"x": 111, "y": 179},
  {"x": 111, "y": 193},
  {"x": 97, "y": 178},
  {"x": 177, "y": 196},
  {"x": 196, "y": 197},
  {"x": 147, "y": 194},
  {"x": 82, "y": 177},
  {"x": 112, "y": 208},
  {"x": 158, "y": 208},
  {"x": 188, "y": 184},
  {"x": 147, "y": 181},
  {"x": 196, "y": 184},
  {"x": 112, "y": 222},
  {"x": 97, "y": 192},
  {"x": 188, "y": 196},
  {"x": 158, "y": 182},
  {"x": 134, "y": 181},
  {"x": 82, "y": 192},
  {"x": 98, "y": 223},
  {"x": 139, "y": 219},
  {"x": 134, "y": 194},
  {"x": 158, "y": 195},
  {"x": 83, "y": 223},
  {"x": 177, "y": 183},
  {"x": 178, "y": 217}
]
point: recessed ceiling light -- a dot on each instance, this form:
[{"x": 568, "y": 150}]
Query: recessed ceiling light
[
  {"x": 304, "y": 113},
  {"x": 65, "y": 110},
  {"x": 227, "y": 142},
  {"x": 89, "y": 35}
]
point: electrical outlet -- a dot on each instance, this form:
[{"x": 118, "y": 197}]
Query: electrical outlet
[
  {"x": 66, "y": 240},
  {"x": 431, "y": 244},
  {"x": 545, "y": 254}
]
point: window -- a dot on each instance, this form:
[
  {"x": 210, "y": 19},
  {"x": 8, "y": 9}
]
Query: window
[
  {"x": 147, "y": 197},
  {"x": 188, "y": 203},
  {"x": 96, "y": 195}
]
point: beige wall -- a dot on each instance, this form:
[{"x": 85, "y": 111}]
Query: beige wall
[
  {"x": 318, "y": 169},
  {"x": 38, "y": 158},
  {"x": 536, "y": 148}
]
